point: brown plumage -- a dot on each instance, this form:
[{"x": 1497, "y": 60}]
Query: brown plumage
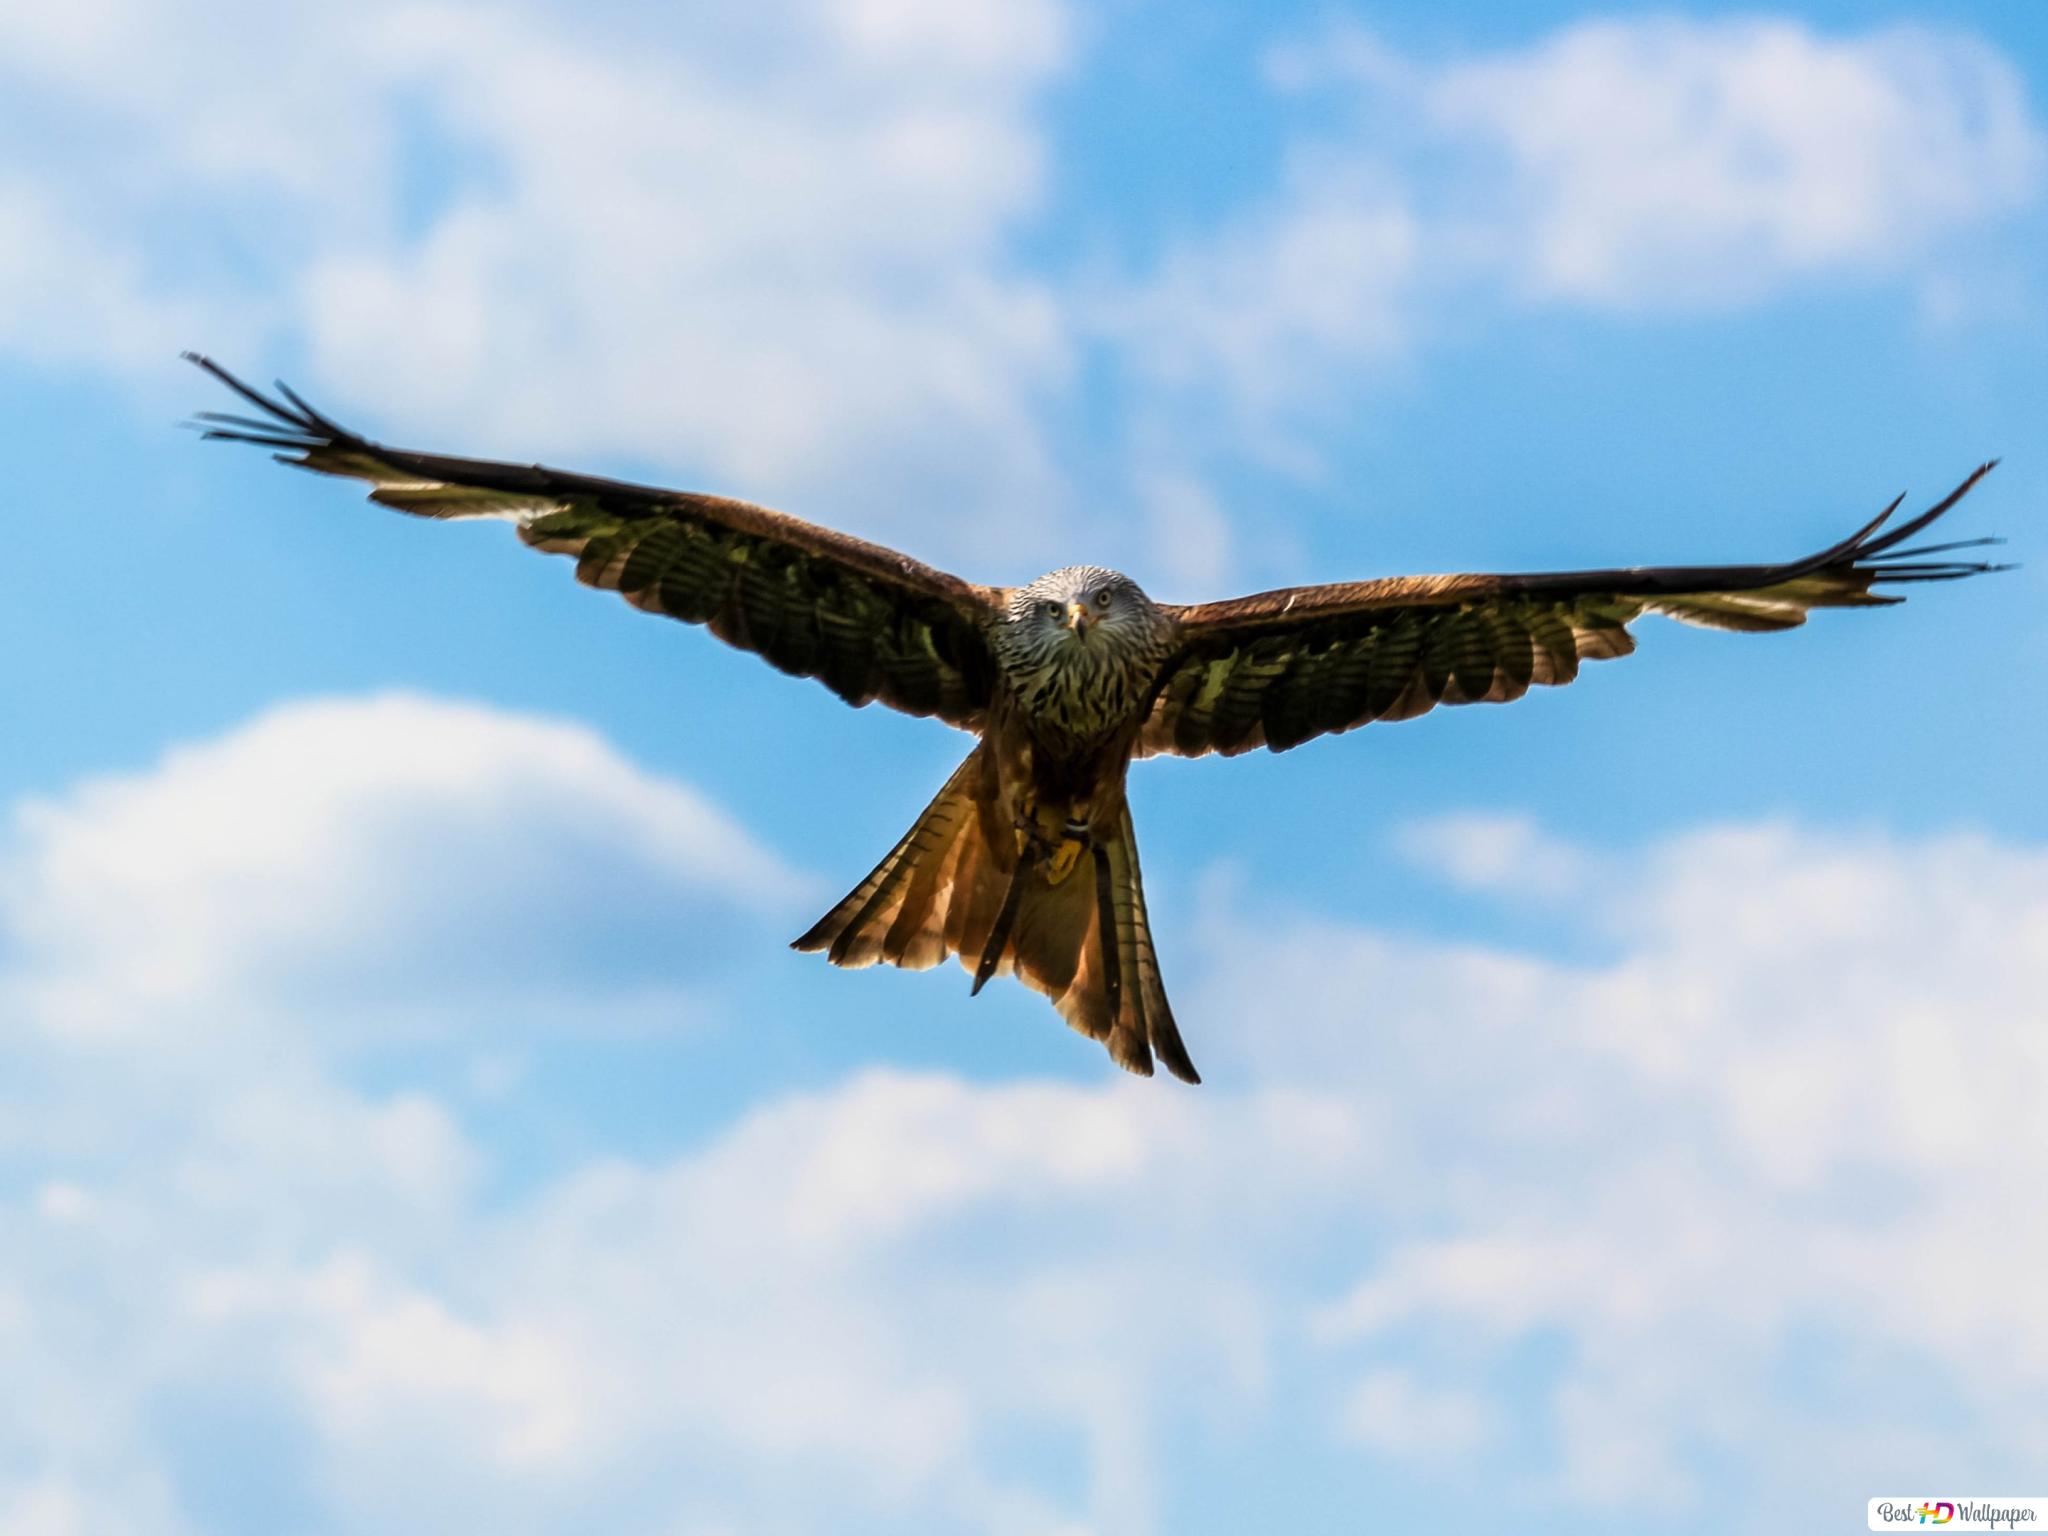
[{"x": 1026, "y": 862}]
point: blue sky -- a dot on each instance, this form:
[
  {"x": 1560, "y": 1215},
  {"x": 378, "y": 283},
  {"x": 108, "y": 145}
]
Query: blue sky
[{"x": 1622, "y": 1109}]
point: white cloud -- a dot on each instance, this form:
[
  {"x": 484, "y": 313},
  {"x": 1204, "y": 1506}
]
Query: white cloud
[
  {"x": 1278, "y": 304},
  {"x": 375, "y": 1361},
  {"x": 755, "y": 1306},
  {"x": 257, "y": 871},
  {"x": 69, "y": 296},
  {"x": 215, "y": 1211},
  {"x": 1191, "y": 533},
  {"x": 1504, "y": 854},
  {"x": 1780, "y": 1119},
  {"x": 1674, "y": 162},
  {"x": 1389, "y": 1412},
  {"x": 777, "y": 251},
  {"x": 769, "y": 250},
  {"x": 1655, "y": 165},
  {"x": 781, "y": 280},
  {"x": 1789, "y": 1116}
]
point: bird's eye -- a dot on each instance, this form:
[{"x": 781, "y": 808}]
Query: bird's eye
[
  {"x": 1102, "y": 598},
  {"x": 1050, "y": 610}
]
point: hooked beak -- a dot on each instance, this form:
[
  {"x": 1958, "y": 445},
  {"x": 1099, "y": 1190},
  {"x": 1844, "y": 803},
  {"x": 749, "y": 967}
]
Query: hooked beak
[{"x": 1078, "y": 619}]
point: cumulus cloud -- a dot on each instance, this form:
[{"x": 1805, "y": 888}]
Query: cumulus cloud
[
  {"x": 1774, "y": 1144},
  {"x": 69, "y": 297},
  {"x": 1767, "y": 1132},
  {"x": 205, "y": 1207},
  {"x": 1671, "y": 162},
  {"x": 1281, "y": 303},
  {"x": 771, "y": 250},
  {"x": 813, "y": 1312},
  {"x": 1663, "y": 165},
  {"x": 467, "y": 850},
  {"x": 785, "y": 253},
  {"x": 1503, "y": 854},
  {"x": 1389, "y": 1412}
]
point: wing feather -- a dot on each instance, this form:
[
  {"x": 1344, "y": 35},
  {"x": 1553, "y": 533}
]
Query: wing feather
[
  {"x": 1278, "y": 668},
  {"x": 869, "y": 623}
]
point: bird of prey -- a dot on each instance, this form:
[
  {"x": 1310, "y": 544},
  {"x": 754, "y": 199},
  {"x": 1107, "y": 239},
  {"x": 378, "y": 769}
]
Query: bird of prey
[{"x": 1025, "y": 862}]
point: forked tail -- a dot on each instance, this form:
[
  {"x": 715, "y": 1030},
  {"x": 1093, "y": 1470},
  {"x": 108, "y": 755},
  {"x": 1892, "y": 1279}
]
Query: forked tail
[{"x": 956, "y": 885}]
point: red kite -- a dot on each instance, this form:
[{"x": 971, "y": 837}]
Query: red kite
[{"x": 1025, "y": 862}]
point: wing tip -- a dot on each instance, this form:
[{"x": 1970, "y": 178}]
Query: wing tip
[
  {"x": 1864, "y": 544},
  {"x": 291, "y": 417}
]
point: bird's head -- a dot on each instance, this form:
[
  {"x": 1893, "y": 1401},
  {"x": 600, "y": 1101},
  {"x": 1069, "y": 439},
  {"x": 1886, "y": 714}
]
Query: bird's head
[{"x": 1079, "y": 609}]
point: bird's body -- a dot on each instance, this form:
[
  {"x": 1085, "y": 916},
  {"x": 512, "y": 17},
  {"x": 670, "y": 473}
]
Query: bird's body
[
  {"x": 1027, "y": 858},
  {"x": 1026, "y": 861}
]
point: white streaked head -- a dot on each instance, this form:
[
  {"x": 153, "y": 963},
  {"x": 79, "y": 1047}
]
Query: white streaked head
[
  {"x": 1081, "y": 605},
  {"x": 1080, "y": 646}
]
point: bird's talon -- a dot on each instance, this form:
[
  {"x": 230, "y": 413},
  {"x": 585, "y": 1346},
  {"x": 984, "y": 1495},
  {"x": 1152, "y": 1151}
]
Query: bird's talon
[{"x": 1064, "y": 858}]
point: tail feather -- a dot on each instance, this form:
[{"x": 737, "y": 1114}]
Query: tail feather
[
  {"x": 1140, "y": 964},
  {"x": 969, "y": 923},
  {"x": 1085, "y": 942},
  {"x": 1119, "y": 996},
  {"x": 859, "y": 930},
  {"x": 1051, "y": 949},
  {"x": 915, "y": 941}
]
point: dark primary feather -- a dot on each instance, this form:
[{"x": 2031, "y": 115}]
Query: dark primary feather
[
  {"x": 866, "y": 621},
  {"x": 1280, "y": 667}
]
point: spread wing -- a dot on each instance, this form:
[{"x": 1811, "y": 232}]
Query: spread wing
[
  {"x": 867, "y": 622},
  {"x": 1274, "y": 669}
]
